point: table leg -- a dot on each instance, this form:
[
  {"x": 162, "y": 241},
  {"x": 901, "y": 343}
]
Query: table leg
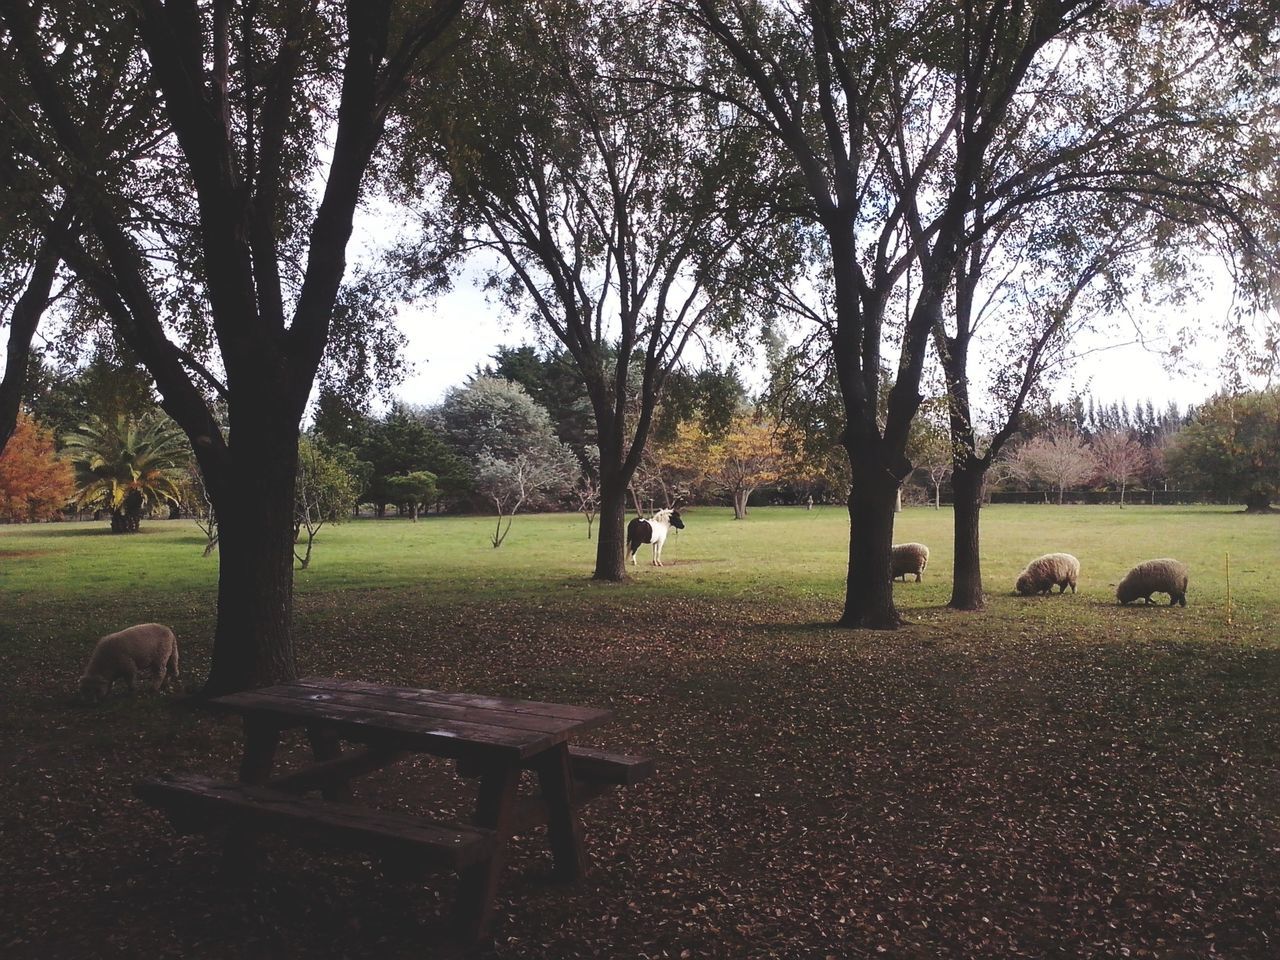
[
  {"x": 260, "y": 742},
  {"x": 325, "y": 745},
  {"x": 564, "y": 832},
  {"x": 478, "y": 885},
  {"x": 240, "y": 853}
]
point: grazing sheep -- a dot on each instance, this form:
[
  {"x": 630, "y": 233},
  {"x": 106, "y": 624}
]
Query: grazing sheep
[
  {"x": 1155, "y": 576},
  {"x": 142, "y": 648},
  {"x": 908, "y": 558},
  {"x": 1040, "y": 575}
]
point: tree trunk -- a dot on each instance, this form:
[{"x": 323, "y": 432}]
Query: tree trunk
[
  {"x": 22, "y": 327},
  {"x": 128, "y": 519},
  {"x": 740, "y": 504},
  {"x": 1122, "y": 485},
  {"x": 253, "y": 645},
  {"x": 125, "y": 521},
  {"x": 868, "y": 601},
  {"x": 611, "y": 545},
  {"x": 966, "y": 575},
  {"x": 1257, "y": 503}
]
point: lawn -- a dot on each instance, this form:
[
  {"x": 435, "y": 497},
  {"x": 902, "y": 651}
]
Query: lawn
[{"x": 1052, "y": 777}]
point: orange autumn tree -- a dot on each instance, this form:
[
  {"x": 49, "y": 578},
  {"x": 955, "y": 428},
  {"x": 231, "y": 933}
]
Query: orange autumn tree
[
  {"x": 34, "y": 483},
  {"x": 749, "y": 455}
]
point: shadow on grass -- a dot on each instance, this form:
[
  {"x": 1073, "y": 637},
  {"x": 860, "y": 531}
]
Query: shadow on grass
[{"x": 52, "y": 530}]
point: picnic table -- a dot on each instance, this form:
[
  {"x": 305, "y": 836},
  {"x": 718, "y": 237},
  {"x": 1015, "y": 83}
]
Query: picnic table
[{"x": 492, "y": 739}]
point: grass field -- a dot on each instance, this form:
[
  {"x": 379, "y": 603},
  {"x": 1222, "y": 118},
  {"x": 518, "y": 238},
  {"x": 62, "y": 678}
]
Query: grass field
[{"x": 1052, "y": 777}]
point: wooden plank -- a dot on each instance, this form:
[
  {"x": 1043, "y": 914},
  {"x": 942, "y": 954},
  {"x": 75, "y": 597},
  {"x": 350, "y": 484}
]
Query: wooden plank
[
  {"x": 600, "y": 766},
  {"x": 582, "y": 717},
  {"x": 449, "y": 738},
  {"x": 435, "y": 710},
  {"x": 194, "y": 798}
]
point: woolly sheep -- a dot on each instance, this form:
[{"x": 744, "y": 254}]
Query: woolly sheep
[
  {"x": 142, "y": 648},
  {"x": 1155, "y": 576},
  {"x": 909, "y": 558},
  {"x": 1040, "y": 575}
]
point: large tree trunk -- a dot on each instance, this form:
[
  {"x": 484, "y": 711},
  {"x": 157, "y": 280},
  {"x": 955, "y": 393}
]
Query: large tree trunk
[
  {"x": 868, "y": 601},
  {"x": 966, "y": 576},
  {"x": 611, "y": 544},
  {"x": 740, "y": 504},
  {"x": 1257, "y": 503},
  {"x": 22, "y": 328},
  {"x": 253, "y": 644}
]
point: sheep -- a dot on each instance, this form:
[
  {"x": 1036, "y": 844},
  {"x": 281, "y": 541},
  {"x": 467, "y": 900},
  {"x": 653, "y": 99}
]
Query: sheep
[
  {"x": 908, "y": 558},
  {"x": 1040, "y": 575},
  {"x": 1155, "y": 576},
  {"x": 142, "y": 648}
]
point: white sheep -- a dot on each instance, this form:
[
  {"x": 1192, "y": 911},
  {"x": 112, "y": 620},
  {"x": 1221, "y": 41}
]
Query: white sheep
[
  {"x": 1042, "y": 573},
  {"x": 142, "y": 648},
  {"x": 1155, "y": 576},
  {"x": 908, "y": 558}
]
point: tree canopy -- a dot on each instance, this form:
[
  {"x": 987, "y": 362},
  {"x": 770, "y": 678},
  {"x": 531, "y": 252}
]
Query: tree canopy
[{"x": 1232, "y": 447}]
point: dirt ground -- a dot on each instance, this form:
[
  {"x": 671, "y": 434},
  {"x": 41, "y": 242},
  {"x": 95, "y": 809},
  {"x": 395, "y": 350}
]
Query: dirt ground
[{"x": 961, "y": 788}]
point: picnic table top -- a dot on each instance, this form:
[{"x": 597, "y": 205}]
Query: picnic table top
[{"x": 459, "y": 725}]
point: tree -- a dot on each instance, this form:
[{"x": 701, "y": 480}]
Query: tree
[
  {"x": 525, "y": 478},
  {"x": 866, "y": 103},
  {"x": 34, "y": 483},
  {"x": 1078, "y": 215},
  {"x": 607, "y": 203},
  {"x": 127, "y": 466},
  {"x": 63, "y": 396},
  {"x": 324, "y": 492},
  {"x": 930, "y": 449},
  {"x": 238, "y": 136},
  {"x": 196, "y": 499},
  {"x": 552, "y": 379},
  {"x": 748, "y": 456},
  {"x": 1061, "y": 459},
  {"x": 586, "y": 491},
  {"x": 1232, "y": 447},
  {"x": 401, "y": 442},
  {"x": 510, "y": 444},
  {"x": 30, "y": 293},
  {"x": 413, "y": 490},
  {"x": 1120, "y": 458}
]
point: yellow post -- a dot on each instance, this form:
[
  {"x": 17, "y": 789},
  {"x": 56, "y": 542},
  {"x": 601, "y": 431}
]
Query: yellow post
[{"x": 1228, "y": 589}]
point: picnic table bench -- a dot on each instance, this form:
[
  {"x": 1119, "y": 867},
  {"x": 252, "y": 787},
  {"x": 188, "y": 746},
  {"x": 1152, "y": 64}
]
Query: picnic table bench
[{"x": 492, "y": 739}]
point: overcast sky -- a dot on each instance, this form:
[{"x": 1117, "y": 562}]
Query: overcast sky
[{"x": 461, "y": 330}]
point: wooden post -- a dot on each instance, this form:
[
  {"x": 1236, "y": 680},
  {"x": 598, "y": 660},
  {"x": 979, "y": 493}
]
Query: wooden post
[
  {"x": 326, "y": 746},
  {"x": 1228, "y": 589},
  {"x": 564, "y": 832},
  {"x": 261, "y": 738},
  {"x": 478, "y": 885}
]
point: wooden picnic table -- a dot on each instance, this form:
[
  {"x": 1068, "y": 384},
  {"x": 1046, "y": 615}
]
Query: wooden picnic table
[{"x": 493, "y": 739}]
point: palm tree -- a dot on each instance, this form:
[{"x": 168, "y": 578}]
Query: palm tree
[{"x": 127, "y": 465}]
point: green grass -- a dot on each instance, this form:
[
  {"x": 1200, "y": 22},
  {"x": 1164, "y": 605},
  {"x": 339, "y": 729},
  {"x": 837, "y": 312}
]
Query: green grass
[
  {"x": 1055, "y": 776},
  {"x": 782, "y": 553}
]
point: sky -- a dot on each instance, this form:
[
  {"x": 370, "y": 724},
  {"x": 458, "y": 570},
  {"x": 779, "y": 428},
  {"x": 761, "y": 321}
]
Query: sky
[{"x": 449, "y": 338}]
